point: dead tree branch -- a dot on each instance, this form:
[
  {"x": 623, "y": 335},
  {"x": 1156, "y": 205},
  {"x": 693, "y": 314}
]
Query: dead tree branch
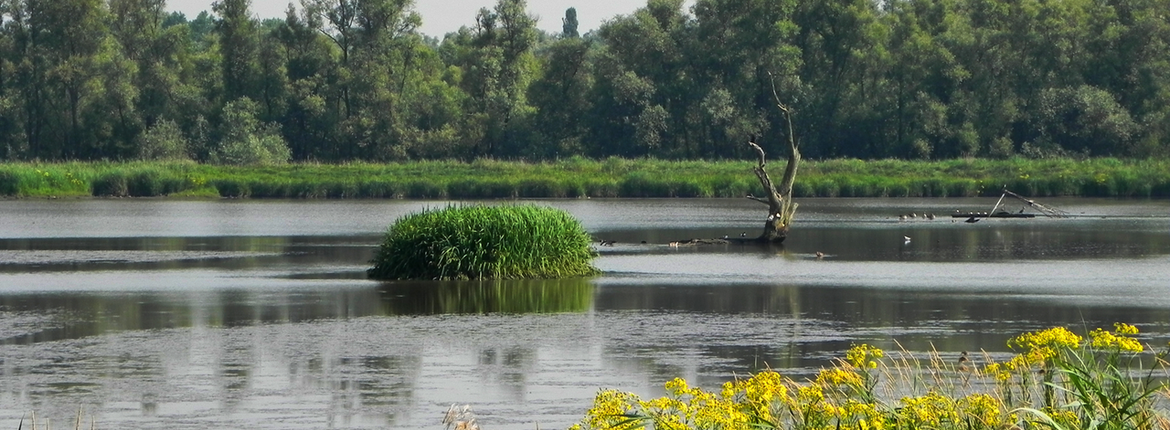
[{"x": 781, "y": 208}]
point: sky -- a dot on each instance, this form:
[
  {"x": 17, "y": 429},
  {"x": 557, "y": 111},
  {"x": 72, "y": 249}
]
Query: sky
[{"x": 443, "y": 16}]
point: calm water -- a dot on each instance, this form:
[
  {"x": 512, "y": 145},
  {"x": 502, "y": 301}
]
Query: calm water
[{"x": 233, "y": 314}]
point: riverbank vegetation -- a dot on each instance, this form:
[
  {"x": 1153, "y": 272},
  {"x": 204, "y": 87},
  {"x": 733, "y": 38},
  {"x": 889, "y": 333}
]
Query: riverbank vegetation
[
  {"x": 1058, "y": 380},
  {"x": 579, "y": 177},
  {"x": 485, "y": 242},
  {"x": 333, "y": 82}
]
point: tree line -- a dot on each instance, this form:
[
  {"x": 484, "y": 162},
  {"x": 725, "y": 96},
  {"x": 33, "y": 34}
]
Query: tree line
[{"x": 341, "y": 80}]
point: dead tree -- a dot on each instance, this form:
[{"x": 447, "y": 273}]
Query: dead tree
[{"x": 781, "y": 208}]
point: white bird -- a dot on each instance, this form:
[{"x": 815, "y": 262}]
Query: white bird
[{"x": 907, "y": 238}]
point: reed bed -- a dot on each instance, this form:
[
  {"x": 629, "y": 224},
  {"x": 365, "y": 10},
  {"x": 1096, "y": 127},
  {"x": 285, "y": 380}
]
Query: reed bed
[
  {"x": 485, "y": 242},
  {"x": 1058, "y": 380},
  {"x": 584, "y": 178}
]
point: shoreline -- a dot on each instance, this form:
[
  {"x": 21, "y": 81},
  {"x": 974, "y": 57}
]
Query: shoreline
[{"x": 584, "y": 178}]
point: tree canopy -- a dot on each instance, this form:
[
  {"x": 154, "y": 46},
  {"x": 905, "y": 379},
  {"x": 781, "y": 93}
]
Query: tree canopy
[{"x": 342, "y": 80}]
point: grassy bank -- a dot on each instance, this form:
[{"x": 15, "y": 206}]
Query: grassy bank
[
  {"x": 579, "y": 177},
  {"x": 1058, "y": 380}
]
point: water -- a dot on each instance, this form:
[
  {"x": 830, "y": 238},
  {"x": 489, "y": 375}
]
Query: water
[{"x": 194, "y": 314}]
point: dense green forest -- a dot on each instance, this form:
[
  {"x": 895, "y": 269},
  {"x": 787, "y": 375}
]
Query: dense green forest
[{"x": 344, "y": 80}]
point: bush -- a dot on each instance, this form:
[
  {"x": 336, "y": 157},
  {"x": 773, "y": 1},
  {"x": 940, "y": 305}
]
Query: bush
[
  {"x": 163, "y": 141},
  {"x": 9, "y": 183},
  {"x": 484, "y": 242},
  {"x": 147, "y": 183},
  {"x": 113, "y": 184},
  {"x": 232, "y": 188},
  {"x": 246, "y": 140}
]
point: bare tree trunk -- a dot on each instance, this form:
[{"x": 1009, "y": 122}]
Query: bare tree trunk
[{"x": 781, "y": 208}]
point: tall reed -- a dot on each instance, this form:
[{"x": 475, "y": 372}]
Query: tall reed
[{"x": 485, "y": 242}]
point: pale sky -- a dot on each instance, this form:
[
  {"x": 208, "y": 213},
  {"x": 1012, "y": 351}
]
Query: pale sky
[{"x": 443, "y": 16}]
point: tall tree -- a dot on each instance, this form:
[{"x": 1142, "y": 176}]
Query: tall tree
[
  {"x": 569, "y": 24},
  {"x": 498, "y": 64},
  {"x": 238, "y": 47},
  {"x": 560, "y": 97}
]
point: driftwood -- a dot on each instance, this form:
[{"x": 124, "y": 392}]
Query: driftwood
[{"x": 697, "y": 242}]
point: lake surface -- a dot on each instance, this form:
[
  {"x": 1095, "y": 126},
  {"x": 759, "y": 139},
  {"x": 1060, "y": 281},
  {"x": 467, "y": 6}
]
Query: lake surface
[{"x": 232, "y": 314}]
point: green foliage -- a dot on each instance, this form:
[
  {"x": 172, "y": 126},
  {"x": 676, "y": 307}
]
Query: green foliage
[
  {"x": 339, "y": 81},
  {"x": 247, "y": 141},
  {"x": 484, "y": 242},
  {"x": 163, "y": 141},
  {"x": 112, "y": 184},
  {"x": 582, "y": 178}
]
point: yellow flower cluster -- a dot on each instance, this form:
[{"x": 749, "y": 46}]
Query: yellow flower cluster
[
  {"x": 609, "y": 411},
  {"x": 838, "y": 376},
  {"x": 862, "y": 416},
  {"x": 1046, "y": 342},
  {"x": 928, "y": 411},
  {"x": 864, "y": 356},
  {"x": 1125, "y": 329},
  {"x": 1103, "y": 339},
  {"x": 838, "y": 398},
  {"x": 1002, "y": 371},
  {"x": 984, "y": 409},
  {"x": 758, "y": 394}
]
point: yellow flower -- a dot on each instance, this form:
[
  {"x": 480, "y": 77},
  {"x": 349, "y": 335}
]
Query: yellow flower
[
  {"x": 1129, "y": 345},
  {"x": 864, "y": 356},
  {"x": 929, "y": 410},
  {"x": 810, "y": 394},
  {"x": 1042, "y": 346},
  {"x": 1125, "y": 329},
  {"x": 983, "y": 408},
  {"x": 1001, "y": 371},
  {"x": 838, "y": 376},
  {"x": 677, "y": 386},
  {"x": 1103, "y": 339},
  {"x": 608, "y": 409}
]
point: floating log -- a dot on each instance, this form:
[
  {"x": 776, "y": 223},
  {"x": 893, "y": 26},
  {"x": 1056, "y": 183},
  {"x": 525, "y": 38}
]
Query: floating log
[{"x": 1000, "y": 214}]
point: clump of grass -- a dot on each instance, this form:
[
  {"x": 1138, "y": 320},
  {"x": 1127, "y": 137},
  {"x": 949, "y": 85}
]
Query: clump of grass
[
  {"x": 485, "y": 242},
  {"x": 1059, "y": 380}
]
